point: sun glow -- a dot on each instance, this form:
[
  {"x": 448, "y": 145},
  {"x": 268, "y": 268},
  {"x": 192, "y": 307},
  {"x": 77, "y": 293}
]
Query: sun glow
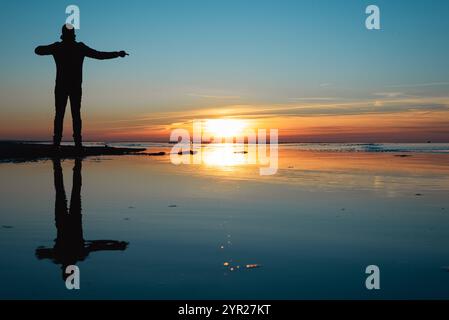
[
  {"x": 223, "y": 155},
  {"x": 225, "y": 127}
]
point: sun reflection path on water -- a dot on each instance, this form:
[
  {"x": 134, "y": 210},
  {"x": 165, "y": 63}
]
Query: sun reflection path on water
[{"x": 224, "y": 155}]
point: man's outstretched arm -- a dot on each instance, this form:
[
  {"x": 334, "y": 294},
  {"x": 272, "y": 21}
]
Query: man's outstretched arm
[
  {"x": 94, "y": 54},
  {"x": 45, "y": 50}
]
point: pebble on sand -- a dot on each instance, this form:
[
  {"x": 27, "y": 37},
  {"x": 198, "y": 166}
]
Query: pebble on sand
[{"x": 186, "y": 152}]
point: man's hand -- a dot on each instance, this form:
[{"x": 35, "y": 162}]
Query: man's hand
[{"x": 122, "y": 54}]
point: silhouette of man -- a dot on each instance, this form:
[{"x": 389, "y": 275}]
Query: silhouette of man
[
  {"x": 69, "y": 57},
  {"x": 70, "y": 246}
]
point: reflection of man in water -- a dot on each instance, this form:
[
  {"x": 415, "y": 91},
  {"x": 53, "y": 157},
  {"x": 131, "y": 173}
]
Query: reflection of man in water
[
  {"x": 69, "y": 57},
  {"x": 70, "y": 246}
]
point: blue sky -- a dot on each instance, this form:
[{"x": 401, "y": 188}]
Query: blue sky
[{"x": 197, "y": 54}]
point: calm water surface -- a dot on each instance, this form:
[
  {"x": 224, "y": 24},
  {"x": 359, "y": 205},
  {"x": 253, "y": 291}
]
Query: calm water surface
[{"x": 139, "y": 227}]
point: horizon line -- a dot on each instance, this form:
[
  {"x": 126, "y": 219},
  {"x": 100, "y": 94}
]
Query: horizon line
[{"x": 279, "y": 142}]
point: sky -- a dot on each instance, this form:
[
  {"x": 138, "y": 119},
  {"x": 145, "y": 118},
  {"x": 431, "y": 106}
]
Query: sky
[{"x": 310, "y": 69}]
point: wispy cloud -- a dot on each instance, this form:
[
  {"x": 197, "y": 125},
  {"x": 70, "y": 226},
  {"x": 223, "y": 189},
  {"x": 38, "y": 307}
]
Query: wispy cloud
[
  {"x": 390, "y": 94},
  {"x": 291, "y": 110},
  {"x": 417, "y": 85},
  {"x": 206, "y": 96},
  {"x": 390, "y": 116},
  {"x": 314, "y": 99}
]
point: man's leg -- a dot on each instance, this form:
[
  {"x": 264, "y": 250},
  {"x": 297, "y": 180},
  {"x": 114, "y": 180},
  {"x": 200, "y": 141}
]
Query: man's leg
[
  {"x": 76, "y": 225},
  {"x": 60, "y": 105},
  {"x": 75, "y": 105},
  {"x": 61, "y": 210}
]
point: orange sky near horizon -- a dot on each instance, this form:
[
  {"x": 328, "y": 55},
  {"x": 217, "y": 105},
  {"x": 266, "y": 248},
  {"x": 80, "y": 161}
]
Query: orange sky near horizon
[{"x": 410, "y": 125}]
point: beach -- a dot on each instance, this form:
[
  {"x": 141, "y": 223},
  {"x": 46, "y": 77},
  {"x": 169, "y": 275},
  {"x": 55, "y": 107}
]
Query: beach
[{"x": 219, "y": 230}]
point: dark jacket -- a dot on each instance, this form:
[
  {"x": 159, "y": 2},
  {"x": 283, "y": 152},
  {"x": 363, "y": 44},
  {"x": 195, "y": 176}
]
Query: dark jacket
[{"x": 69, "y": 57}]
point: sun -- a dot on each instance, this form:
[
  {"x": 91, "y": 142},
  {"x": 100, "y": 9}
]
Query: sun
[{"x": 225, "y": 127}]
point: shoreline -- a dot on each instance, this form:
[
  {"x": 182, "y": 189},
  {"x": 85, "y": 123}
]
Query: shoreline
[{"x": 24, "y": 151}]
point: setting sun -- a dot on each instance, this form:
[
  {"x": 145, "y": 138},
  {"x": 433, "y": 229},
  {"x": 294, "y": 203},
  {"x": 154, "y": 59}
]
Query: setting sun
[{"x": 225, "y": 127}]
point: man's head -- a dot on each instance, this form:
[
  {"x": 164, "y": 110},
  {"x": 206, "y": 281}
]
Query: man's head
[{"x": 68, "y": 32}]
